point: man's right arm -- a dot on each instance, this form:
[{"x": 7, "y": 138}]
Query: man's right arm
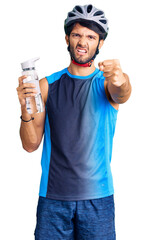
[{"x": 31, "y": 132}]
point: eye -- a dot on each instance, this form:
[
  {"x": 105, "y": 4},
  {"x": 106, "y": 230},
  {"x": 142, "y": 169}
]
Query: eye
[
  {"x": 91, "y": 37},
  {"x": 76, "y": 35}
]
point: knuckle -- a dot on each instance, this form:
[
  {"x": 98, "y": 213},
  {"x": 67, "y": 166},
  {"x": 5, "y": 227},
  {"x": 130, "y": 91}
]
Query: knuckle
[
  {"x": 24, "y": 85},
  {"x": 116, "y": 72},
  {"x": 115, "y": 77},
  {"x": 118, "y": 67},
  {"x": 26, "y": 90}
]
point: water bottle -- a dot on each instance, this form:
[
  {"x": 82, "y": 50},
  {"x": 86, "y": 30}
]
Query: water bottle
[{"x": 33, "y": 104}]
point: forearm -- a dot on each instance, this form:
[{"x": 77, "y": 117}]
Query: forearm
[
  {"x": 120, "y": 94},
  {"x": 31, "y": 132},
  {"x": 28, "y": 133}
]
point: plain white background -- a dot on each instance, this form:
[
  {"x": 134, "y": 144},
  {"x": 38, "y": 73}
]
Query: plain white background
[{"x": 35, "y": 28}]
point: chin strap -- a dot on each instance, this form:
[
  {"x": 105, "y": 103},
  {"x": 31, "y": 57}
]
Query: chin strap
[{"x": 83, "y": 65}]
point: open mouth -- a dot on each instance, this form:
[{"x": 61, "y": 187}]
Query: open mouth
[{"x": 81, "y": 51}]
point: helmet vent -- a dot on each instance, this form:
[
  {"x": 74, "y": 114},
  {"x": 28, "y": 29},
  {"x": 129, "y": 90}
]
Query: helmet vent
[
  {"x": 79, "y": 9},
  {"x": 103, "y": 21},
  {"x": 71, "y": 14},
  {"x": 98, "y": 13},
  {"x": 88, "y": 16},
  {"x": 89, "y": 8}
]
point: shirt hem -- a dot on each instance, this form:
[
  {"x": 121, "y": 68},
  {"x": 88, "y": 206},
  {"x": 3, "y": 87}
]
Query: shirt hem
[{"x": 74, "y": 198}]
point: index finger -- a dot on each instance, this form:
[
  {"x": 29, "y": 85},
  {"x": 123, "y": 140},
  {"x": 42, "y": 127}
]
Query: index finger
[
  {"x": 111, "y": 62},
  {"x": 20, "y": 80},
  {"x": 107, "y": 63}
]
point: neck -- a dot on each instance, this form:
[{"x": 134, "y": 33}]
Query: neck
[{"x": 81, "y": 71}]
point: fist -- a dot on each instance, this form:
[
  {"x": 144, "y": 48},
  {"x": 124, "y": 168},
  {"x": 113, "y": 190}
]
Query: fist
[{"x": 112, "y": 72}]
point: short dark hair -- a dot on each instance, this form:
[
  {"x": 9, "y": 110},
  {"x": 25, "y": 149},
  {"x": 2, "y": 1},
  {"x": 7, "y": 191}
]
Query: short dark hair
[{"x": 89, "y": 24}]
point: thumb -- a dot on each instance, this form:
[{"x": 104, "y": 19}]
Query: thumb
[{"x": 101, "y": 67}]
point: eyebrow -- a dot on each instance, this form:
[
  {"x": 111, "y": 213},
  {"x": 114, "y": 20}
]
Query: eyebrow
[{"x": 89, "y": 35}]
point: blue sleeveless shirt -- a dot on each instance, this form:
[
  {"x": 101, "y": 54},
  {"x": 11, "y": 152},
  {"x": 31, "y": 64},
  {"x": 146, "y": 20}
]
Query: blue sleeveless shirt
[{"x": 78, "y": 137}]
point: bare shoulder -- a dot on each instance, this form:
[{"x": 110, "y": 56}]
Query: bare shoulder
[
  {"x": 115, "y": 105},
  {"x": 44, "y": 89}
]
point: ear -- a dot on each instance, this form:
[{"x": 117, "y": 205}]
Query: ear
[
  {"x": 101, "y": 43},
  {"x": 67, "y": 39}
]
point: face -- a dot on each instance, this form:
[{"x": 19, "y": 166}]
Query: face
[{"x": 83, "y": 43}]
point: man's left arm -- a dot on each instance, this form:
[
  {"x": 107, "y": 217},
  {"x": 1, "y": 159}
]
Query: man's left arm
[{"x": 118, "y": 84}]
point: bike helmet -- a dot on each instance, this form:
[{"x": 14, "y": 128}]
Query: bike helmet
[{"x": 88, "y": 14}]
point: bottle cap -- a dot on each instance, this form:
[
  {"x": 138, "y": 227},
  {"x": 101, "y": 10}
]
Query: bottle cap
[{"x": 29, "y": 64}]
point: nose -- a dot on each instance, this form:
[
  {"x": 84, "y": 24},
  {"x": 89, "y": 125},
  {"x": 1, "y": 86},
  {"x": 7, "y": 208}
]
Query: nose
[{"x": 82, "y": 41}]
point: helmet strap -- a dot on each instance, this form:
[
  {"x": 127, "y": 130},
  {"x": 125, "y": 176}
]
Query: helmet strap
[{"x": 83, "y": 64}]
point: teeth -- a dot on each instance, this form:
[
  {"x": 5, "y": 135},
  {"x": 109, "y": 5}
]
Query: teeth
[{"x": 83, "y": 51}]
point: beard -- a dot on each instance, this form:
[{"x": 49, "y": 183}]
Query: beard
[{"x": 80, "y": 59}]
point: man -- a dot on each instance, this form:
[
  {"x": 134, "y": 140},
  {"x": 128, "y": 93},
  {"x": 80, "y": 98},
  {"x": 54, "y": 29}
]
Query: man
[{"x": 81, "y": 105}]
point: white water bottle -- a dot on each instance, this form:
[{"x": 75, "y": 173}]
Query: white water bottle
[{"x": 33, "y": 104}]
